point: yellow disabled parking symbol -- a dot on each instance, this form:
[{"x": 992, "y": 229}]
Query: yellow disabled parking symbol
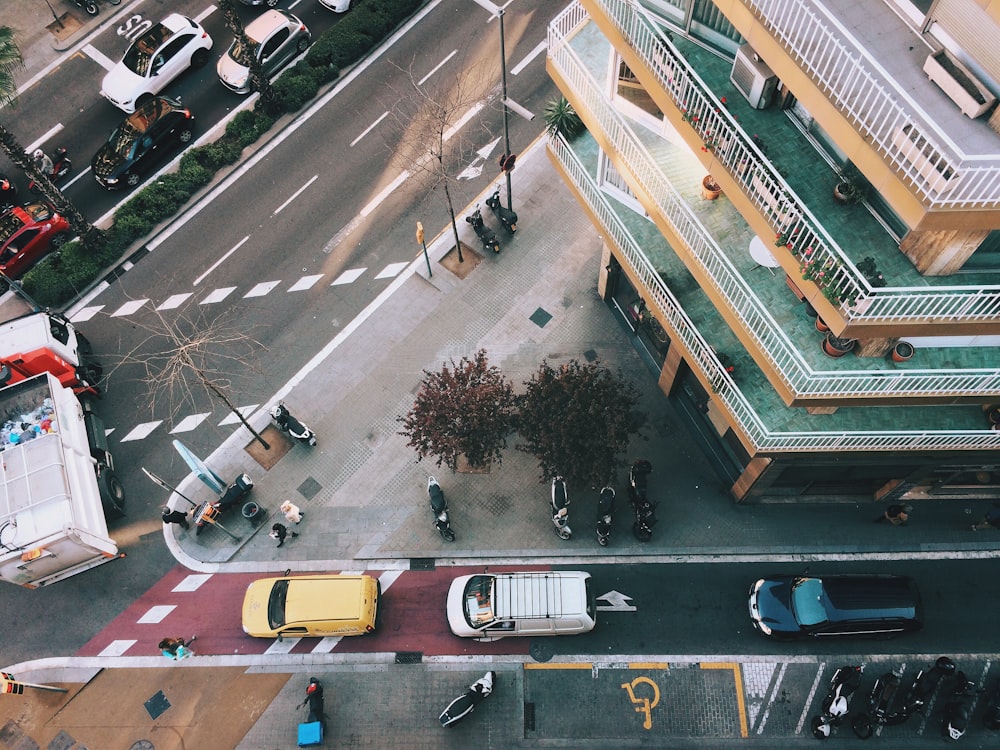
[{"x": 643, "y": 705}]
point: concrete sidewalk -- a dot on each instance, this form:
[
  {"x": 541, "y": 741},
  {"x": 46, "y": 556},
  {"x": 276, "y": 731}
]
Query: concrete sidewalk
[{"x": 364, "y": 494}]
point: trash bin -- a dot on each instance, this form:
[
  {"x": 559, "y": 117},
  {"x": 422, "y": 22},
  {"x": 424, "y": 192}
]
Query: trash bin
[{"x": 253, "y": 513}]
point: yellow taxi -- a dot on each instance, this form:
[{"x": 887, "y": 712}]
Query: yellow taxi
[{"x": 321, "y": 605}]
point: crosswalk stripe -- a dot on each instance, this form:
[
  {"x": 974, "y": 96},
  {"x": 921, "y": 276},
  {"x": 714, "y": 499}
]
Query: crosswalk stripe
[
  {"x": 391, "y": 271},
  {"x": 129, "y": 307},
  {"x": 261, "y": 289},
  {"x": 246, "y": 411},
  {"x": 190, "y": 422},
  {"x": 86, "y": 313},
  {"x": 174, "y": 300},
  {"x": 218, "y": 295},
  {"x": 191, "y": 582},
  {"x": 348, "y": 277},
  {"x": 142, "y": 431},
  {"x": 156, "y": 614},
  {"x": 306, "y": 282}
]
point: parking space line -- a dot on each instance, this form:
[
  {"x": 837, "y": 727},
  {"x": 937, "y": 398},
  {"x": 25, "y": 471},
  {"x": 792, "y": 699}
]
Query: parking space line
[
  {"x": 740, "y": 705},
  {"x": 648, "y": 665},
  {"x": 561, "y": 665}
]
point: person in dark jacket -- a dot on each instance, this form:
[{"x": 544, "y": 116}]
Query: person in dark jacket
[
  {"x": 170, "y": 515},
  {"x": 280, "y": 532}
]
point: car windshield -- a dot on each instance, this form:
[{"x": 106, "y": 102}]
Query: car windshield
[
  {"x": 139, "y": 56},
  {"x": 807, "y": 601},
  {"x": 122, "y": 140},
  {"x": 276, "y": 604},
  {"x": 479, "y": 601},
  {"x": 238, "y": 53},
  {"x": 9, "y": 223}
]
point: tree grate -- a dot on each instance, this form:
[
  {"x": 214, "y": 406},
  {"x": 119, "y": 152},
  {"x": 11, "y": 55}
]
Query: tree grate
[{"x": 409, "y": 657}]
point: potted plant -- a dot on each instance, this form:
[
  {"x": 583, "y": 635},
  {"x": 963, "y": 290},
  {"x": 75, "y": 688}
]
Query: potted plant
[
  {"x": 562, "y": 119},
  {"x": 851, "y": 186},
  {"x": 710, "y": 189},
  {"x": 834, "y": 346},
  {"x": 902, "y": 351}
]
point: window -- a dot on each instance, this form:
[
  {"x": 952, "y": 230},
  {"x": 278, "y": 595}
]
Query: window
[{"x": 272, "y": 44}]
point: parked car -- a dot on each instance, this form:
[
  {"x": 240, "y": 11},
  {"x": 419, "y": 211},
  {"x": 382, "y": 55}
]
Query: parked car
[
  {"x": 155, "y": 59},
  {"x": 143, "y": 141},
  {"x": 337, "y": 6},
  {"x": 867, "y": 606},
  {"x": 277, "y": 37},
  {"x": 320, "y": 605},
  {"x": 490, "y": 607},
  {"x": 254, "y": 3},
  {"x": 27, "y": 234}
]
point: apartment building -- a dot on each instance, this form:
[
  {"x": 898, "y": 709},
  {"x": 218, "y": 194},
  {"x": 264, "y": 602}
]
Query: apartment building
[{"x": 800, "y": 201}]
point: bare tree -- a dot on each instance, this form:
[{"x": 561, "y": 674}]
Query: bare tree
[
  {"x": 431, "y": 121},
  {"x": 181, "y": 355},
  {"x": 246, "y": 54}
]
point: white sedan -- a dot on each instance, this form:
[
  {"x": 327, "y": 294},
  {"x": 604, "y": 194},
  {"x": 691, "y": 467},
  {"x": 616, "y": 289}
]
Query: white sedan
[{"x": 155, "y": 59}]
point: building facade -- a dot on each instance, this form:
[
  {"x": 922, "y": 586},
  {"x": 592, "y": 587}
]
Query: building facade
[{"x": 800, "y": 201}]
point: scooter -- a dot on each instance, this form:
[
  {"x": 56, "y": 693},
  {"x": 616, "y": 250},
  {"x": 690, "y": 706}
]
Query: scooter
[
  {"x": 486, "y": 235},
  {"x": 506, "y": 217},
  {"x": 88, "y": 5},
  {"x": 466, "y": 703},
  {"x": 605, "y": 506},
  {"x": 317, "y": 712},
  {"x": 61, "y": 164},
  {"x": 439, "y": 507},
  {"x": 560, "y": 508},
  {"x": 294, "y": 427},
  {"x": 958, "y": 709},
  {"x": 642, "y": 506},
  {"x": 234, "y": 494},
  {"x": 844, "y": 682},
  {"x": 924, "y": 685},
  {"x": 879, "y": 702},
  {"x": 8, "y": 194}
]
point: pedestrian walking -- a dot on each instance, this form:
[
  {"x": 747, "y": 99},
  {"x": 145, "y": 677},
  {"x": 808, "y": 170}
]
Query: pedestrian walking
[
  {"x": 170, "y": 515},
  {"x": 897, "y": 515},
  {"x": 292, "y": 512},
  {"x": 990, "y": 520},
  {"x": 281, "y": 533},
  {"x": 177, "y": 648}
]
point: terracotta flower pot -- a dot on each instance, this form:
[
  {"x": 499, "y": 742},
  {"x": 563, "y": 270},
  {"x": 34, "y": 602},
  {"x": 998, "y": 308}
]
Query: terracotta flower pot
[
  {"x": 902, "y": 351},
  {"x": 710, "y": 189},
  {"x": 821, "y": 326},
  {"x": 837, "y": 347}
]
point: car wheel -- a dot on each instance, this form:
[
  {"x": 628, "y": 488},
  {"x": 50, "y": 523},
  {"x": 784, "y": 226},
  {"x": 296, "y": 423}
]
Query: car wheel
[
  {"x": 60, "y": 239},
  {"x": 199, "y": 58},
  {"x": 271, "y": 3},
  {"x": 185, "y": 135},
  {"x": 303, "y": 44},
  {"x": 131, "y": 179}
]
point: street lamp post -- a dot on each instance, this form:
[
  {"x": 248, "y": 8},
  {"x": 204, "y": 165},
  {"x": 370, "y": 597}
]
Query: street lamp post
[{"x": 506, "y": 129}]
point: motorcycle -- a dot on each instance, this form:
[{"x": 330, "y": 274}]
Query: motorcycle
[
  {"x": 958, "y": 709},
  {"x": 924, "y": 685},
  {"x": 486, "y": 235},
  {"x": 8, "y": 194},
  {"x": 210, "y": 511},
  {"x": 466, "y": 703},
  {"x": 90, "y": 6},
  {"x": 61, "y": 164},
  {"x": 294, "y": 427},
  {"x": 506, "y": 217},
  {"x": 605, "y": 506},
  {"x": 642, "y": 506},
  {"x": 439, "y": 507},
  {"x": 879, "y": 702},
  {"x": 560, "y": 508},
  {"x": 844, "y": 682}
]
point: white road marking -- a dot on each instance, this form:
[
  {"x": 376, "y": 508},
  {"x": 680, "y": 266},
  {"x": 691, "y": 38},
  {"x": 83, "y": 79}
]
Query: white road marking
[
  {"x": 205, "y": 13},
  {"x": 142, "y": 431},
  {"x": 392, "y": 270},
  {"x": 282, "y": 647},
  {"x": 190, "y": 422},
  {"x": 117, "y": 648},
  {"x": 348, "y": 277},
  {"x": 44, "y": 137},
  {"x": 530, "y": 56},
  {"x": 246, "y": 411},
  {"x": 262, "y": 289},
  {"x": 156, "y": 614},
  {"x": 437, "y": 67},
  {"x": 129, "y": 307},
  {"x": 99, "y": 57},
  {"x": 326, "y": 645},
  {"x": 174, "y": 300},
  {"x": 375, "y": 202},
  {"x": 388, "y": 578},
  {"x": 369, "y": 129},
  {"x": 218, "y": 295},
  {"x": 86, "y": 313},
  {"x": 191, "y": 582},
  {"x": 296, "y": 194},
  {"x": 306, "y": 282},
  {"x": 221, "y": 260}
]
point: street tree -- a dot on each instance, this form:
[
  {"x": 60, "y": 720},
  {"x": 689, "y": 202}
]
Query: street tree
[
  {"x": 434, "y": 143},
  {"x": 466, "y": 409},
  {"x": 245, "y": 53},
  {"x": 577, "y": 419},
  {"x": 10, "y": 62},
  {"x": 181, "y": 355}
]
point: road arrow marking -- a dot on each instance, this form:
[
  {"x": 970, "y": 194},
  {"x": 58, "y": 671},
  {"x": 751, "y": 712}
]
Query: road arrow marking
[{"x": 618, "y": 602}]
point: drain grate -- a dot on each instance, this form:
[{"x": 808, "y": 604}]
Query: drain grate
[
  {"x": 409, "y": 657},
  {"x": 529, "y": 717},
  {"x": 422, "y": 563}
]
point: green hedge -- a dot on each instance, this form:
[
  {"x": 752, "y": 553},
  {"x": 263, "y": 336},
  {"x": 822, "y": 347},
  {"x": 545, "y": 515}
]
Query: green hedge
[{"x": 68, "y": 272}]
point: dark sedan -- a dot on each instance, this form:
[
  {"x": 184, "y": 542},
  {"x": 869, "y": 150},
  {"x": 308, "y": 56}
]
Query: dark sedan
[
  {"x": 143, "y": 141},
  {"x": 867, "y": 606}
]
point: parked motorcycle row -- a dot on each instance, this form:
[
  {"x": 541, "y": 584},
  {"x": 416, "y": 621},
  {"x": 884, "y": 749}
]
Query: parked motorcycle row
[
  {"x": 506, "y": 217},
  {"x": 939, "y": 689}
]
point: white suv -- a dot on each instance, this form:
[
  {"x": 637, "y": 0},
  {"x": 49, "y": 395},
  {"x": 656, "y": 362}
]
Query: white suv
[
  {"x": 155, "y": 59},
  {"x": 489, "y": 607}
]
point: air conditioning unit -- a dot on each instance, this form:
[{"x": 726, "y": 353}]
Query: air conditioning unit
[{"x": 753, "y": 78}]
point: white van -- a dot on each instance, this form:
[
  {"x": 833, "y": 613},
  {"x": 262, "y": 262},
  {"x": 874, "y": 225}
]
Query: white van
[{"x": 488, "y": 607}]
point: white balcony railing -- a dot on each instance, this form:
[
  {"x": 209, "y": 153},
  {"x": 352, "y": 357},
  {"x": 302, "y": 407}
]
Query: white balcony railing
[
  {"x": 788, "y": 215},
  {"x": 640, "y": 166},
  {"x": 700, "y": 355}
]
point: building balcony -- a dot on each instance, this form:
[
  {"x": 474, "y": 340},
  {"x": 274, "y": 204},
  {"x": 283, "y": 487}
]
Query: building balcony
[
  {"x": 707, "y": 255},
  {"x": 775, "y": 173}
]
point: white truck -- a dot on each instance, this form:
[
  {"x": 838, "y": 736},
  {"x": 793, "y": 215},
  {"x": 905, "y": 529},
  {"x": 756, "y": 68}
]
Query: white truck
[
  {"x": 57, "y": 484},
  {"x": 47, "y": 342}
]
